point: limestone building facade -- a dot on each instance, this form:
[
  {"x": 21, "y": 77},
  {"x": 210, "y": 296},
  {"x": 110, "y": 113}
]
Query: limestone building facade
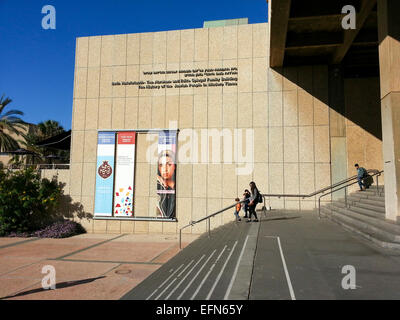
[{"x": 283, "y": 113}]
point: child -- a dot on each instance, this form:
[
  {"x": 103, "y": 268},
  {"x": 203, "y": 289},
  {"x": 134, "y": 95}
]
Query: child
[
  {"x": 246, "y": 196},
  {"x": 237, "y": 209}
]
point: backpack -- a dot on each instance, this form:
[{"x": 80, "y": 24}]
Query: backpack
[{"x": 259, "y": 198}]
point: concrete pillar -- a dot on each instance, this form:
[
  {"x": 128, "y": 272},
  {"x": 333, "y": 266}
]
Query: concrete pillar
[
  {"x": 389, "y": 61},
  {"x": 337, "y": 127}
]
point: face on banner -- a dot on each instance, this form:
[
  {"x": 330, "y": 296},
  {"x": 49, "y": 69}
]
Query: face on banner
[{"x": 166, "y": 174}]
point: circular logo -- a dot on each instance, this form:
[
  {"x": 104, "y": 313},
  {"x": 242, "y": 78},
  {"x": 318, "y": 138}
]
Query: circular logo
[{"x": 104, "y": 170}]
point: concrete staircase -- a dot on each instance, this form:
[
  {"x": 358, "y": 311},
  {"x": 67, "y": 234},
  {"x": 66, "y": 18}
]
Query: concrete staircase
[{"x": 365, "y": 215}]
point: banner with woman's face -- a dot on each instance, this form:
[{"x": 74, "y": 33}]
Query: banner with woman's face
[{"x": 166, "y": 174}]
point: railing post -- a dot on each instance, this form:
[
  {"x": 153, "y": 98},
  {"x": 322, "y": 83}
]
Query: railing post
[
  {"x": 209, "y": 229},
  {"x": 180, "y": 238},
  {"x": 319, "y": 208},
  {"x": 377, "y": 185},
  {"x": 345, "y": 197}
]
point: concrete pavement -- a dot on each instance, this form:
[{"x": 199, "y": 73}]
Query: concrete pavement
[
  {"x": 288, "y": 255},
  {"x": 88, "y": 266}
]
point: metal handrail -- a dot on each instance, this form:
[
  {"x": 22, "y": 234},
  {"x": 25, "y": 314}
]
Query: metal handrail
[
  {"x": 377, "y": 174},
  {"x": 61, "y": 166},
  {"x": 335, "y": 185},
  {"x": 205, "y": 218}
]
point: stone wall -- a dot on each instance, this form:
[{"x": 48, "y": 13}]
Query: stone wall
[{"x": 287, "y": 109}]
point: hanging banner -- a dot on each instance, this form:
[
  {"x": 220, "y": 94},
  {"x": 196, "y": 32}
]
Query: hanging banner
[
  {"x": 125, "y": 174},
  {"x": 166, "y": 174},
  {"x": 104, "y": 174}
]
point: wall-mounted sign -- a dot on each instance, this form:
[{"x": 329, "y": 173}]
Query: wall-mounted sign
[
  {"x": 104, "y": 174},
  {"x": 190, "y": 78},
  {"x": 166, "y": 174},
  {"x": 115, "y": 175},
  {"x": 125, "y": 173}
]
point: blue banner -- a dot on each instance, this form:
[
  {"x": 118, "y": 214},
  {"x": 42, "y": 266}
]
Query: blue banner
[{"x": 105, "y": 174}]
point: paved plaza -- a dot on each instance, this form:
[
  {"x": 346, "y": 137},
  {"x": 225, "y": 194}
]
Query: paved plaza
[
  {"x": 287, "y": 255},
  {"x": 88, "y": 266}
]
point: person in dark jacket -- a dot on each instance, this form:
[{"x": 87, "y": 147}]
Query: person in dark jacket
[
  {"x": 361, "y": 174},
  {"x": 246, "y": 196},
  {"x": 253, "y": 201}
]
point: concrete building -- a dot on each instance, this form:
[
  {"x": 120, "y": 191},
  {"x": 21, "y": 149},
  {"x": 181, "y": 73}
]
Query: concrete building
[{"x": 297, "y": 90}]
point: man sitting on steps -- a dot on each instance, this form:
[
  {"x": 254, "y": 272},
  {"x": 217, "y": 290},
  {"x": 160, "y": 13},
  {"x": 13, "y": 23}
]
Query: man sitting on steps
[{"x": 361, "y": 174}]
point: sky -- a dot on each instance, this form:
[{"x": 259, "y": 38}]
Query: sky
[{"x": 37, "y": 65}]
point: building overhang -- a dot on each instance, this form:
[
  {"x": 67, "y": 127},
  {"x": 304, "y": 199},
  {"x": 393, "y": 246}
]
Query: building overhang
[{"x": 304, "y": 32}]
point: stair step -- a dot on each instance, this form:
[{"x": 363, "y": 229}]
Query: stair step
[
  {"x": 363, "y": 205},
  {"x": 377, "y": 203},
  {"x": 368, "y": 212},
  {"x": 373, "y": 192},
  {"x": 377, "y": 222},
  {"x": 376, "y": 240},
  {"x": 362, "y": 196},
  {"x": 366, "y": 228},
  {"x": 374, "y": 186}
]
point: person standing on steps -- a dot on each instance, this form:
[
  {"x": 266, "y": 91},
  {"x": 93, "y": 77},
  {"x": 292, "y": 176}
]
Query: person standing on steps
[
  {"x": 254, "y": 200},
  {"x": 237, "y": 209},
  {"x": 361, "y": 174},
  {"x": 246, "y": 197}
]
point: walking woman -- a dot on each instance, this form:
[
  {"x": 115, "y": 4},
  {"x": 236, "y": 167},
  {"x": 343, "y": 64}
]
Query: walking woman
[{"x": 254, "y": 199}]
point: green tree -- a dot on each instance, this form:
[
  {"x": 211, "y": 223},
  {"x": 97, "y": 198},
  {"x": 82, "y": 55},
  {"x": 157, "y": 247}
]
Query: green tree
[
  {"x": 45, "y": 130},
  {"x": 49, "y": 128},
  {"x": 10, "y": 123}
]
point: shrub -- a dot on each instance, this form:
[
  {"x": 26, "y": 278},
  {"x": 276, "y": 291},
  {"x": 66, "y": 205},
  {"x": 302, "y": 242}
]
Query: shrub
[
  {"x": 60, "y": 229},
  {"x": 27, "y": 202}
]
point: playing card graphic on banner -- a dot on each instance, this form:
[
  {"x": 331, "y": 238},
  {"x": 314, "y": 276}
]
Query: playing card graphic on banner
[
  {"x": 104, "y": 174},
  {"x": 166, "y": 174},
  {"x": 124, "y": 174}
]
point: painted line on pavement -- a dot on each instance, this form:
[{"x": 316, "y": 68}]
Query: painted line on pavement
[
  {"x": 220, "y": 274},
  {"x": 183, "y": 279},
  {"x": 208, "y": 273},
  {"x": 166, "y": 288},
  {"x": 284, "y": 267},
  {"x": 164, "y": 282},
  {"x": 228, "y": 291},
  {"x": 286, "y": 271},
  {"x": 197, "y": 274}
]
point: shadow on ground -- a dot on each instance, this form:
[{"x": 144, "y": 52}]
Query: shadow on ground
[{"x": 61, "y": 285}]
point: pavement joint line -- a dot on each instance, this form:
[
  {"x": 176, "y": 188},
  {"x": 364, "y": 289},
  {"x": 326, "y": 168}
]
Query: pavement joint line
[
  {"x": 228, "y": 291},
  {"x": 21, "y": 290},
  {"x": 220, "y": 273},
  {"x": 162, "y": 252},
  {"x": 197, "y": 274},
  {"x": 21, "y": 267},
  {"x": 108, "y": 261},
  {"x": 254, "y": 257},
  {"x": 175, "y": 279},
  {"x": 164, "y": 282},
  {"x": 113, "y": 268},
  {"x": 183, "y": 279},
  {"x": 19, "y": 242},
  {"x": 207, "y": 275},
  {"x": 90, "y": 247}
]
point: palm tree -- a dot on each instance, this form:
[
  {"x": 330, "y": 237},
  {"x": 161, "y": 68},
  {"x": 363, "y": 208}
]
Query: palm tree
[
  {"x": 49, "y": 128},
  {"x": 10, "y": 124}
]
